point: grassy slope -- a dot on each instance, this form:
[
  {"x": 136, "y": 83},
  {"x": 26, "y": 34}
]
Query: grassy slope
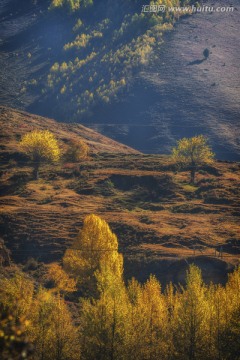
[
  {"x": 18, "y": 123},
  {"x": 158, "y": 217}
]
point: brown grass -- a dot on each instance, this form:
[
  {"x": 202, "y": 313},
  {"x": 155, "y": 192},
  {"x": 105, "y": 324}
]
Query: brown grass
[{"x": 152, "y": 209}]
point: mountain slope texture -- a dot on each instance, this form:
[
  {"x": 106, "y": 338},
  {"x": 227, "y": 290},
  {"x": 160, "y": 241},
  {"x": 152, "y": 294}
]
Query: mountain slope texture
[
  {"x": 162, "y": 222},
  {"x": 141, "y": 78}
]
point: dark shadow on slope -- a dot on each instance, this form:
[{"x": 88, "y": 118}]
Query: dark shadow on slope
[{"x": 197, "y": 62}]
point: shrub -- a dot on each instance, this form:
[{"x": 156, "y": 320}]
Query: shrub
[
  {"x": 77, "y": 150},
  {"x": 31, "y": 264}
]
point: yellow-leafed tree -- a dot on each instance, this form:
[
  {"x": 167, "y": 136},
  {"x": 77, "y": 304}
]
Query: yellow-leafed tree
[
  {"x": 59, "y": 279},
  {"x": 41, "y": 146},
  {"x": 16, "y": 295},
  {"x": 16, "y": 298},
  {"x": 192, "y": 152},
  {"x": 105, "y": 326},
  {"x": 94, "y": 253},
  {"x": 104, "y": 321},
  {"x": 190, "y": 337},
  {"x": 148, "y": 320},
  {"x": 52, "y": 330}
]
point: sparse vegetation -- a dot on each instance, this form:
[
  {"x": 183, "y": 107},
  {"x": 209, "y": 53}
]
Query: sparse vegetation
[{"x": 104, "y": 51}]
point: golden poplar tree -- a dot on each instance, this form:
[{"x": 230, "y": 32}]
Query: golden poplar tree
[
  {"x": 41, "y": 146},
  {"x": 229, "y": 336},
  {"x": 147, "y": 321},
  {"x": 16, "y": 298},
  {"x": 94, "y": 253},
  {"x": 16, "y": 295},
  {"x": 192, "y": 152},
  {"x": 104, "y": 326},
  {"x": 190, "y": 333},
  {"x": 52, "y": 330},
  {"x": 136, "y": 318},
  {"x": 152, "y": 311},
  {"x": 103, "y": 320}
]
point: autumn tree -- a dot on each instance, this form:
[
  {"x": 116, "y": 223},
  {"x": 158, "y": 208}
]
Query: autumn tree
[
  {"x": 52, "y": 330},
  {"x": 16, "y": 298},
  {"x": 191, "y": 315},
  {"x": 77, "y": 151},
  {"x": 16, "y": 294},
  {"x": 41, "y": 146},
  {"x": 14, "y": 342},
  {"x": 59, "y": 280},
  {"x": 230, "y": 329},
  {"x": 229, "y": 337},
  {"x": 72, "y": 4},
  {"x": 105, "y": 326},
  {"x": 94, "y": 252},
  {"x": 104, "y": 321},
  {"x": 155, "y": 314},
  {"x": 148, "y": 320},
  {"x": 193, "y": 153},
  {"x": 172, "y": 298}
]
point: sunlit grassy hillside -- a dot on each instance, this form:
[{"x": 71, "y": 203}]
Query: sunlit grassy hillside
[{"x": 162, "y": 221}]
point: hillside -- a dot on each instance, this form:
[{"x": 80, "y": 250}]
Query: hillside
[
  {"x": 182, "y": 94},
  {"x": 162, "y": 222},
  {"x": 138, "y": 78},
  {"x": 16, "y": 123}
]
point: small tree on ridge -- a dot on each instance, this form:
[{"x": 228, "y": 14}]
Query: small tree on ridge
[{"x": 192, "y": 152}]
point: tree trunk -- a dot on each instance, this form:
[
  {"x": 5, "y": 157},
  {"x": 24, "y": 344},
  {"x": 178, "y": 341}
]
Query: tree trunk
[
  {"x": 113, "y": 332},
  {"x": 36, "y": 170},
  {"x": 193, "y": 172}
]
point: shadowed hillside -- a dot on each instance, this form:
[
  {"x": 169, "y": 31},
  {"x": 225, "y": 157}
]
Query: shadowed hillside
[
  {"x": 162, "y": 222},
  {"x": 182, "y": 93},
  {"x": 171, "y": 91}
]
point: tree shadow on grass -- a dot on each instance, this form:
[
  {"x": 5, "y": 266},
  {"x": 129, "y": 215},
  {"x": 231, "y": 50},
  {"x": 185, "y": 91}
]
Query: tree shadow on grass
[{"x": 197, "y": 62}]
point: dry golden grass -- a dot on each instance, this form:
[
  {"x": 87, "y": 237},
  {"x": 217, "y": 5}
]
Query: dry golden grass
[{"x": 152, "y": 208}]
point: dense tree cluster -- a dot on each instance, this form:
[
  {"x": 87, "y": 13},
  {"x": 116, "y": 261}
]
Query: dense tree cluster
[
  {"x": 118, "y": 321},
  {"x": 72, "y": 5}
]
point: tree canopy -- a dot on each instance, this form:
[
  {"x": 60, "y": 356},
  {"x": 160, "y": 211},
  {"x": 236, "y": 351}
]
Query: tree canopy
[
  {"x": 40, "y": 146},
  {"x": 77, "y": 150},
  {"x": 94, "y": 253},
  {"x": 192, "y": 152},
  {"x": 134, "y": 321}
]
